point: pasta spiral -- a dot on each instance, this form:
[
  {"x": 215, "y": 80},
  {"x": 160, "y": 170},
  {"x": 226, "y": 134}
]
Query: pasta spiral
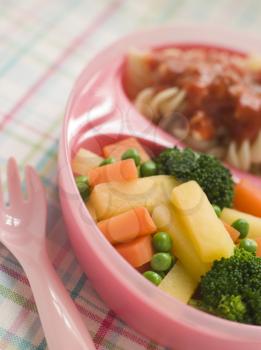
[
  {"x": 247, "y": 154},
  {"x": 156, "y": 105}
]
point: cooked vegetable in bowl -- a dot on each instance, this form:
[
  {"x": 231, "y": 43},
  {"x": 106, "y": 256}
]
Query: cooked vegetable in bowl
[
  {"x": 207, "y": 97},
  {"x": 181, "y": 220}
]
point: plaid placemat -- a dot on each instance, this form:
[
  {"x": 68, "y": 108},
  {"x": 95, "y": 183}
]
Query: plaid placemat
[{"x": 44, "y": 45}]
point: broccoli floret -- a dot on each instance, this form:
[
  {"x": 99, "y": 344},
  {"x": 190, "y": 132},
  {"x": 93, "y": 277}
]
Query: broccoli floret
[
  {"x": 233, "y": 308},
  {"x": 254, "y": 304},
  {"x": 213, "y": 177},
  {"x": 232, "y": 288},
  {"x": 230, "y": 307},
  {"x": 179, "y": 163}
]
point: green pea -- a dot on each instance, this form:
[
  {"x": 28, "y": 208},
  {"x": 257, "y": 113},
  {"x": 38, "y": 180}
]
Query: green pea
[
  {"x": 84, "y": 190},
  {"x": 148, "y": 168},
  {"x": 81, "y": 178},
  {"x": 107, "y": 161},
  {"x": 161, "y": 262},
  {"x": 242, "y": 226},
  {"x": 162, "y": 274},
  {"x": 153, "y": 276},
  {"x": 83, "y": 186},
  {"x": 131, "y": 153},
  {"x": 162, "y": 242},
  {"x": 217, "y": 210},
  {"x": 248, "y": 244}
]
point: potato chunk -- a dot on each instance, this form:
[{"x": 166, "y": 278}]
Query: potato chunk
[
  {"x": 114, "y": 198},
  {"x": 200, "y": 222},
  {"x": 84, "y": 161},
  {"x": 178, "y": 283}
]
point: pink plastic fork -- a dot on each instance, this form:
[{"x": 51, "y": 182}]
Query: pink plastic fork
[{"x": 22, "y": 231}]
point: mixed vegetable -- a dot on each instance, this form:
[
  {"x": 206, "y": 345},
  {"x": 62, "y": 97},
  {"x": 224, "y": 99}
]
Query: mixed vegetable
[{"x": 181, "y": 221}]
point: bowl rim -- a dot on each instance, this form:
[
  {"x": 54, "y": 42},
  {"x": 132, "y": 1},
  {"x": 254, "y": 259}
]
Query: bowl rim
[{"x": 171, "y": 308}]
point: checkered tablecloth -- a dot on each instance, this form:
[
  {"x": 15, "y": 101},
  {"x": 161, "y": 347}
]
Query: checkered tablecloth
[{"x": 44, "y": 45}]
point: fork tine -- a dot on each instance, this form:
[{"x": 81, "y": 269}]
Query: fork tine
[
  {"x": 14, "y": 182},
  {"x": 33, "y": 182}
]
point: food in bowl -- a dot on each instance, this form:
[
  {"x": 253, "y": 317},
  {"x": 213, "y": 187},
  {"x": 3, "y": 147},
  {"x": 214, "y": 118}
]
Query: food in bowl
[
  {"x": 180, "y": 219},
  {"x": 207, "y": 97}
]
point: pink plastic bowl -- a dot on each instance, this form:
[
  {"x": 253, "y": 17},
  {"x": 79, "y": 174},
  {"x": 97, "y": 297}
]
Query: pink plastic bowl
[{"x": 98, "y": 112}]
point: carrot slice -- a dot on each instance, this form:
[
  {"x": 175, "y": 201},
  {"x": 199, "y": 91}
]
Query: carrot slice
[
  {"x": 124, "y": 170},
  {"x": 129, "y": 225},
  {"x": 234, "y": 234},
  {"x": 118, "y": 148},
  {"x": 258, "y": 241},
  {"x": 137, "y": 252},
  {"x": 247, "y": 198}
]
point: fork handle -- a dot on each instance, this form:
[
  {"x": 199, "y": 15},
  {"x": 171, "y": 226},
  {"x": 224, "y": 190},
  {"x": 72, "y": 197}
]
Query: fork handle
[{"x": 63, "y": 326}]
